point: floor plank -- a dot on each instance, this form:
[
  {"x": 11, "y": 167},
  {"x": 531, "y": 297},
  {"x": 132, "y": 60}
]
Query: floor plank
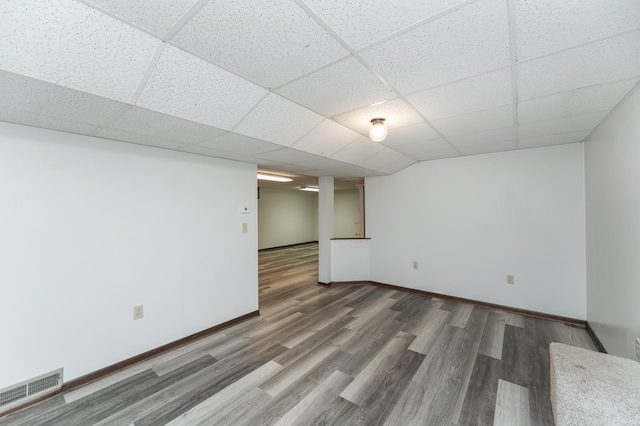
[{"x": 347, "y": 354}]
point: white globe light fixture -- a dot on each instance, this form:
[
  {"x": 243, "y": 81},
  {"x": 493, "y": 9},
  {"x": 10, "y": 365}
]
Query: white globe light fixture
[{"x": 378, "y": 130}]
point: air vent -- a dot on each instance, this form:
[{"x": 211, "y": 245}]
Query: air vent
[{"x": 30, "y": 389}]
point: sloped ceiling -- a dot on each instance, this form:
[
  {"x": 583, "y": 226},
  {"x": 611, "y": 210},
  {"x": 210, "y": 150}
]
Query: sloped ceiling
[{"x": 291, "y": 85}]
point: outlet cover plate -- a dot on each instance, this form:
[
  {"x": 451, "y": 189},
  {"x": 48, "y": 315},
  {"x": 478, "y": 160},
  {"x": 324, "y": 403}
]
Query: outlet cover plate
[
  {"x": 511, "y": 279},
  {"x": 138, "y": 312}
]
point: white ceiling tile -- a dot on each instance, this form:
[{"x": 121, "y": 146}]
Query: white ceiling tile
[
  {"x": 326, "y": 139},
  {"x": 278, "y": 120},
  {"x": 486, "y": 148},
  {"x": 70, "y": 44},
  {"x": 269, "y": 43},
  {"x": 46, "y": 102},
  {"x": 416, "y": 148},
  {"x": 341, "y": 87},
  {"x": 240, "y": 144},
  {"x": 409, "y": 134},
  {"x": 357, "y": 151},
  {"x": 546, "y": 26},
  {"x": 396, "y": 114},
  {"x": 259, "y": 161},
  {"x": 204, "y": 150},
  {"x": 157, "y": 16},
  {"x": 605, "y": 61},
  {"x": 322, "y": 164},
  {"x": 466, "y": 42},
  {"x": 188, "y": 87},
  {"x": 436, "y": 155},
  {"x": 351, "y": 172},
  {"x": 561, "y": 125},
  {"x": 126, "y": 136},
  {"x": 397, "y": 165},
  {"x": 156, "y": 124},
  {"x": 481, "y": 92},
  {"x": 380, "y": 159},
  {"x": 294, "y": 168},
  {"x": 492, "y": 118},
  {"x": 578, "y": 101},
  {"x": 483, "y": 137},
  {"x": 289, "y": 155},
  {"x": 362, "y": 24},
  {"x": 29, "y": 118},
  {"x": 549, "y": 140}
]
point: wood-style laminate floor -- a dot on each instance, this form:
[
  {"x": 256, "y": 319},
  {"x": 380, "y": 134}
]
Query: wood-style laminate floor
[{"x": 344, "y": 355}]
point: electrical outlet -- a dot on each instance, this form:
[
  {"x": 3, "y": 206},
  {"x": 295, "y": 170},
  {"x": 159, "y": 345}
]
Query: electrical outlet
[
  {"x": 638, "y": 348},
  {"x": 511, "y": 279},
  {"x": 138, "y": 312},
  {"x": 415, "y": 265}
]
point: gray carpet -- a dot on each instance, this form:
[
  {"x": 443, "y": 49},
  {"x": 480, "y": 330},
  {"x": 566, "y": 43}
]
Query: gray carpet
[{"x": 591, "y": 388}]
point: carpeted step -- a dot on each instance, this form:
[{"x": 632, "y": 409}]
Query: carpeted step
[{"x": 592, "y": 388}]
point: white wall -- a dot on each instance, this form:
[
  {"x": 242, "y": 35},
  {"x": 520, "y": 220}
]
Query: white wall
[
  {"x": 286, "y": 217},
  {"x": 351, "y": 260},
  {"x": 470, "y": 221},
  {"x": 346, "y": 213},
  {"x": 90, "y": 228},
  {"x": 612, "y": 166}
]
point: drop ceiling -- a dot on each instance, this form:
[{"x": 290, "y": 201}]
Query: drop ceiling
[{"x": 292, "y": 85}]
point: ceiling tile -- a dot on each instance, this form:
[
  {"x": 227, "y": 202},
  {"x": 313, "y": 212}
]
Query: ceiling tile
[
  {"x": 259, "y": 161},
  {"x": 486, "y": 148},
  {"x": 409, "y": 134},
  {"x": 288, "y": 155},
  {"x": 492, "y": 118},
  {"x": 351, "y": 171},
  {"x": 269, "y": 43},
  {"x": 561, "y": 125},
  {"x": 158, "y": 16},
  {"x": 29, "y": 118},
  {"x": 357, "y": 151},
  {"x": 70, "y": 44},
  {"x": 437, "y": 155},
  {"x": 322, "y": 164},
  {"x": 396, "y": 114},
  {"x": 578, "y": 101},
  {"x": 126, "y": 136},
  {"x": 276, "y": 119},
  {"x": 483, "y": 137},
  {"x": 362, "y": 24},
  {"x": 240, "y": 144},
  {"x": 190, "y": 88},
  {"x": 326, "y": 139},
  {"x": 156, "y": 124},
  {"x": 549, "y": 140},
  {"x": 469, "y": 41},
  {"x": 294, "y": 168},
  {"x": 481, "y": 92},
  {"x": 397, "y": 165},
  {"x": 204, "y": 150},
  {"x": 25, "y": 99},
  {"x": 546, "y": 26},
  {"x": 341, "y": 87},
  {"x": 380, "y": 159},
  {"x": 605, "y": 61},
  {"x": 416, "y": 148}
]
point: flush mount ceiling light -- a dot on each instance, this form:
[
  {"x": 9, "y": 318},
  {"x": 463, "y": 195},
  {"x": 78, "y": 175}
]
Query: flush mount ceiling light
[
  {"x": 309, "y": 188},
  {"x": 378, "y": 130},
  {"x": 274, "y": 178}
]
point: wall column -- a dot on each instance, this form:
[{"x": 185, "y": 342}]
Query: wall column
[
  {"x": 325, "y": 228},
  {"x": 361, "y": 229}
]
